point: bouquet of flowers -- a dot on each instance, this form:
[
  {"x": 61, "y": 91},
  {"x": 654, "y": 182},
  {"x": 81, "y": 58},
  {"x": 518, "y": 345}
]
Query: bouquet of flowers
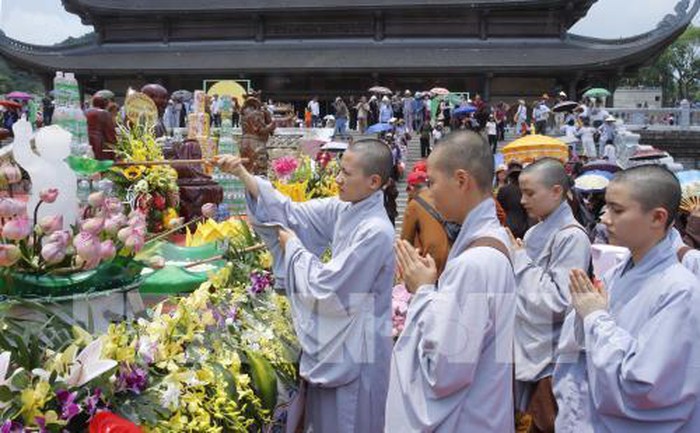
[
  {"x": 208, "y": 362},
  {"x": 46, "y": 248},
  {"x": 304, "y": 179},
  {"x": 151, "y": 189}
]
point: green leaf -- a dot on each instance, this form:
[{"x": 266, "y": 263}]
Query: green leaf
[
  {"x": 5, "y": 394},
  {"x": 264, "y": 379}
]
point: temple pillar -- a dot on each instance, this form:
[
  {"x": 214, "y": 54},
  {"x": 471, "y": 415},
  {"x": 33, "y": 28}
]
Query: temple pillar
[{"x": 486, "y": 94}]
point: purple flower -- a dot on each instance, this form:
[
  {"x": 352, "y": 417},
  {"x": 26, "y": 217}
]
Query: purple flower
[
  {"x": 132, "y": 379},
  {"x": 69, "y": 408},
  {"x": 11, "y": 427},
  {"x": 91, "y": 403},
  {"x": 260, "y": 281}
]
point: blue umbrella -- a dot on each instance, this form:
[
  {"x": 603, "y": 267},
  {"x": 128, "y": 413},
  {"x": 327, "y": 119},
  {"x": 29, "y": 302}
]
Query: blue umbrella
[
  {"x": 463, "y": 111},
  {"x": 379, "y": 127}
]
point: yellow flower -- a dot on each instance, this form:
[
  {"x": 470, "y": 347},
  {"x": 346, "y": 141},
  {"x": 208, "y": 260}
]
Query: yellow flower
[
  {"x": 169, "y": 215},
  {"x": 265, "y": 259},
  {"x": 133, "y": 172},
  {"x": 296, "y": 191},
  {"x": 33, "y": 400}
]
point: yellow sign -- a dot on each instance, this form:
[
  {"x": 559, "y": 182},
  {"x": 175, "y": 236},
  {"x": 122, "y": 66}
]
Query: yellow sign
[{"x": 141, "y": 109}]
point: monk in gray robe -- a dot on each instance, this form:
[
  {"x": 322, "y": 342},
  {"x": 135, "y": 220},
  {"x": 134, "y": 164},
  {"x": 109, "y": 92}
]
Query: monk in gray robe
[
  {"x": 556, "y": 244},
  {"x": 451, "y": 370},
  {"x": 629, "y": 357},
  {"x": 341, "y": 309}
]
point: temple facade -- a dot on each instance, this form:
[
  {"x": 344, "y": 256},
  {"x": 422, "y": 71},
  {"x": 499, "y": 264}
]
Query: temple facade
[{"x": 290, "y": 50}]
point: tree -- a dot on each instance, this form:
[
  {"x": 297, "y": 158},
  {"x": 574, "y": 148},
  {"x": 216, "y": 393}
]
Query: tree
[
  {"x": 676, "y": 70},
  {"x": 14, "y": 78}
]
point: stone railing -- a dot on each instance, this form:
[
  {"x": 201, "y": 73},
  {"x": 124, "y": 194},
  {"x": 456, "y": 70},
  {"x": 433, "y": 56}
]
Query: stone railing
[{"x": 682, "y": 117}]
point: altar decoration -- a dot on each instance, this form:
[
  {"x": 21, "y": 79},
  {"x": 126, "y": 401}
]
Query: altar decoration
[
  {"x": 152, "y": 189},
  {"x": 303, "y": 179},
  {"x": 209, "y": 362},
  {"x": 44, "y": 259}
]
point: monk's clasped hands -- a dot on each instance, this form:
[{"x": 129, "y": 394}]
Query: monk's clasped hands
[
  {"x": 586, "y": 296},
  {"x": 417, "y": 271}
]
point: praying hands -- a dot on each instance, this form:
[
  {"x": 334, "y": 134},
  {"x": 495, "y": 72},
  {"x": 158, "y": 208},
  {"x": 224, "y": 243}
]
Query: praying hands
[
  {"x": 586, "y": 296},
  {"x": 417, "y": 271}
]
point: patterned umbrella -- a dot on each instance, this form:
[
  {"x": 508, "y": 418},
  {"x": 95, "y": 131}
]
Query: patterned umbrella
[{"x": 439, "y": 91}]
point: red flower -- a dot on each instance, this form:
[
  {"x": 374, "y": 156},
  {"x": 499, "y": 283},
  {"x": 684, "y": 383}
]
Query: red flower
[
  {"x": 159, "y": 202},
  {"x": 107, "y": 422}
]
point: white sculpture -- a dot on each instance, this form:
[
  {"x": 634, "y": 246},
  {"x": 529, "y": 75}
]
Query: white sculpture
[{"x": 47, "y": 169}]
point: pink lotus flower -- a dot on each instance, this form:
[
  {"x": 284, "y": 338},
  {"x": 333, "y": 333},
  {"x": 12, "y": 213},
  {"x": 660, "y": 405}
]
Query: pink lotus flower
[
  {"x": 400, "y": 298},
  {"x": 107, "y": 250},
  {"x": 53, "y": 253},
  {"x": 87, "y": 245},
  {"x": 209, "y": 210},
  {"x": 61, "y": 237},
  {"x": 96, "y": 199},
  {"x": 284, "y": 167},
  {"x": 113, "y": 206},
  {"x": 93, "y": 225},
  {"x": 51, "y": 223},
  {"x": 134, "y": 242},
  {"x": 10, "y": 207},
  {"x": 124, "y": 233},
  {"x": 114, "y": 223},
  {"x": 9, "y": 255},
  {"x": 49, "y": 195},
  {"x": 87, "y": 264},
  {"x": 11, "y": 173},
  {"x": 17, "y": 229}
]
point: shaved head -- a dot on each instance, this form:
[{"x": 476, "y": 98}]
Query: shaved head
[
  {"x": 466, "y": 151},
  {"x": 549, "y": 172},
  {"x": 652, "y": 186},
  {"x": 375, "y": 158}
]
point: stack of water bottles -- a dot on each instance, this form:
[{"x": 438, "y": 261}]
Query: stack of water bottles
[
  {"x": 234, "y": 191},
  {"x": 68, "y": 113}
]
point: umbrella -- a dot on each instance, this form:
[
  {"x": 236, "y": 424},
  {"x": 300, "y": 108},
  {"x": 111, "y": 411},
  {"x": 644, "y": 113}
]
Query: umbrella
[
  {"x": 379, "y": 127},
  {"x": 596, "y": 92},
  {"x": 105, "y": 93},
  {"x": 565, "y": 107},
  {"x": 601, "y": 165},
  {"x": 439, "y": 91},
  {"x": 10, "y": 104},
  {"x": 462, "y": 111},
  {"x": 229, "y": 88},
  {"x": 329, "y": 117},
  {"x": 593, "y": 181},
  {"x": 690, "y": 186},
  {"x": 647, "y": 153},
  {"x": 532, "y": 147},
  {"x": 19, "y": 95},
  {"x": 181, "y": 95},
  {"x": 380, "y": 90},
  {"x": 337, "y": 146}
]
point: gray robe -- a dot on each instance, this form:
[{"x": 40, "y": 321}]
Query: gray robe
[
  {"x": 451, "y": 370},
  {"x": 341, "y": 309},
  {"x": 542, "y": 273},
  {"x": 636, "y": 367}
]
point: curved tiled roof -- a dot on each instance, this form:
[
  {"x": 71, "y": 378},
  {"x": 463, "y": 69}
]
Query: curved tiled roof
[{"x": 569, "y": 54}]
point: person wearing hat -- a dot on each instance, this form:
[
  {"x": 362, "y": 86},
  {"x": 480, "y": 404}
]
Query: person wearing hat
[
  {"x": 501, "y": 178},
  {"x": 520, "y": 118},
  {"x": 423, "y": 227},
  {"x": 362, "y": 114},
  {"x": 608, "y": 133},
  {"x": 386, "y": 113}
]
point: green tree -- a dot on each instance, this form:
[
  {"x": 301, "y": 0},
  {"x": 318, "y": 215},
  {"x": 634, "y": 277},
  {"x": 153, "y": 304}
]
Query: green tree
[
  {"x": 14, "y": 78},
  {"x": 676, "y": 70}
]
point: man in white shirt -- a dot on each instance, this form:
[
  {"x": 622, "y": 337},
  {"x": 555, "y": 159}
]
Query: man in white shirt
[{"x": 315, "y": 109}]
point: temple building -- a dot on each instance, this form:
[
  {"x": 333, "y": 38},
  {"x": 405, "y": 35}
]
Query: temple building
[{"x": 290, "y": 50}]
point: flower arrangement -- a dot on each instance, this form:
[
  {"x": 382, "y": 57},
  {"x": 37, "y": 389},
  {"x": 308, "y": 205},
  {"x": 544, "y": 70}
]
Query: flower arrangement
[
  {"x": 151, "y": 189},
  {"x": 210, "y": 362},
  {"x": 103, "y": 233},
  {"x": 400, "y": 298},
  {"x": 304, "y": 179}
]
